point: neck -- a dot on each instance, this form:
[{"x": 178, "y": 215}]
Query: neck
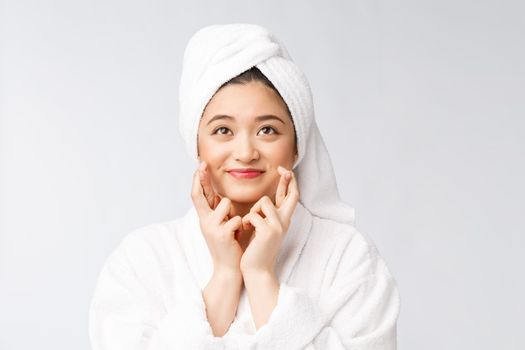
[{"x": 240, "y": 209}]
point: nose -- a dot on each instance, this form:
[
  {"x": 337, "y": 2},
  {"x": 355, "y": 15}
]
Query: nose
[{"x": 244, "y": 151}]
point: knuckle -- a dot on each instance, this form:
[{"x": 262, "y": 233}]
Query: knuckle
[{"x": 212, "y": 217}]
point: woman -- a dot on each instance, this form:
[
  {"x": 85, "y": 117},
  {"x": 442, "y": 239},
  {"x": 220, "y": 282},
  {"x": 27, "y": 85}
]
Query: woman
[{"x": 268, "y": 256}]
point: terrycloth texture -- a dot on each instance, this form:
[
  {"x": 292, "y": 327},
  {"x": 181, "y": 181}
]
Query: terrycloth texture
[
  {"x": 335, "y": 292},
  {"x": 217, "y": 53}
]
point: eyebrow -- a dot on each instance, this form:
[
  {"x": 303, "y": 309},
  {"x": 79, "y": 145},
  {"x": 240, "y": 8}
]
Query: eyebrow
[{"x": 258, "y": 119}]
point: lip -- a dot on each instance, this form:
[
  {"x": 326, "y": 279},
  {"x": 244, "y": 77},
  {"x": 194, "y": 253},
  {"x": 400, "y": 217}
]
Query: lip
[{"x": 246, "y": 173}]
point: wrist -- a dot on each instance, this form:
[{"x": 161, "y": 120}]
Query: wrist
[
  {"x": 227, "y": 274},
  {"x": 257, "y": 277}
]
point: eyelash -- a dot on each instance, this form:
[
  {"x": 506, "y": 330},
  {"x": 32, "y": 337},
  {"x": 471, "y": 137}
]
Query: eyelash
[{"x": 223, "y": 127}]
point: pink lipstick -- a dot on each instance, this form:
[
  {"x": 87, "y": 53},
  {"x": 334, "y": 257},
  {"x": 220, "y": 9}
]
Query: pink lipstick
[{"x": 248, "y": 173}]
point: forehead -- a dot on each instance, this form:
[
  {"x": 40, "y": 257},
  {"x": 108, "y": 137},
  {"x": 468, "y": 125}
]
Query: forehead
[{"x": 245, "y": 102}]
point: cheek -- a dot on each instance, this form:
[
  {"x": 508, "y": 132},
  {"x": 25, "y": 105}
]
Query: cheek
[
  {"x": 212, "y": 153},
  {"x": 280, "y": 153}
]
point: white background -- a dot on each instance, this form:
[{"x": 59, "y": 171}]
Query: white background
[{"x": 420, "y": 103}]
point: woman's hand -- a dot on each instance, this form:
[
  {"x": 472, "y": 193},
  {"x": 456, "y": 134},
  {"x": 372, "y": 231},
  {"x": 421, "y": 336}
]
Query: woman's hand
[
  {"x": 217, "y": 227},
  {"x": 271, "y": 223},
  {"x": 212, "y": 198}
]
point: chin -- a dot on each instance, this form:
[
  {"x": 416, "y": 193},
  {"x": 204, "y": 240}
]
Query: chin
[{"x": 244, "y": 195}]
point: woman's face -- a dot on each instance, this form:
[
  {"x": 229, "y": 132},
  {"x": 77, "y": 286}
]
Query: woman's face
[{"x": 246, "y": 126}]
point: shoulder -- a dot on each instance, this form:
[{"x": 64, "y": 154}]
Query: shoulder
[{"x": 147, "y": 246}]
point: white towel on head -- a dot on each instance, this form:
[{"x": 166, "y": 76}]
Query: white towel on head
[{"x": 218, "y": 53}]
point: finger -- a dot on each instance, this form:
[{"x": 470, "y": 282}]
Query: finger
[
  {"x": 266, "y": 207},
  {"x": 204, "y": 175},
  {"x": 233, "y": 224},
  {"x": 246, "y": 225},
  {"x": 201, "y": 205},
  {"x": 255, "y": 220},
  {"x": 256, "y": 208},
  {"x": 223, "y": 208},
  {"x": 206, "y": 185},
  {"x": 291, "y": 199},
  {"x": 283, "y": 185},
  {"x": 270, "y": 212}
]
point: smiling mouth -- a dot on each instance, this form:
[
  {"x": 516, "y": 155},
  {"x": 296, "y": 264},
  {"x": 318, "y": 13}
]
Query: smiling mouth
[{"x": 245, "y": 174}]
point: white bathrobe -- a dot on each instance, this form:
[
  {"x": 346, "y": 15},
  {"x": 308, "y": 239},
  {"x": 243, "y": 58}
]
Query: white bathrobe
[{"x": 335, "y": 292}]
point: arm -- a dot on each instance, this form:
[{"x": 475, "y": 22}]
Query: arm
[
  {"x": 221, "y": 296},
  {"x": 263, "y": 292}
]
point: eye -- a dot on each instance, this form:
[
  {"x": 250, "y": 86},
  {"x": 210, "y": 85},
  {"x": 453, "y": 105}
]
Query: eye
[
  {"x": 268, "y": 128},
  {"x": 221, "y": 131}
]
